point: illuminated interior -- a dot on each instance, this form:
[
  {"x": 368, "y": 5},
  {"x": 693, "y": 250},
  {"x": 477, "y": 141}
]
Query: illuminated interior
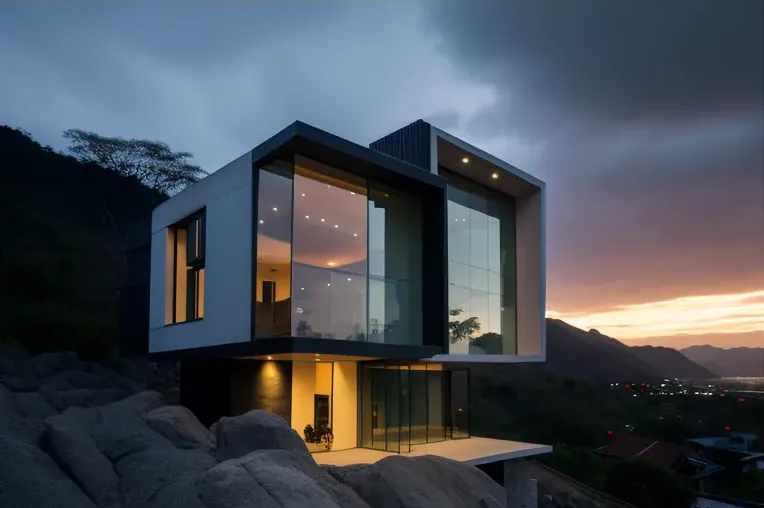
[
  {"x": 324, "y": 395},
  {"x": 337, "y": 256},
  {"x": 185, "y": 270}
]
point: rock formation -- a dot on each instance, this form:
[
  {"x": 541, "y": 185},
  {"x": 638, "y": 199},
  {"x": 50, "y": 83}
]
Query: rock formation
[{"x": 76, "y": 434}]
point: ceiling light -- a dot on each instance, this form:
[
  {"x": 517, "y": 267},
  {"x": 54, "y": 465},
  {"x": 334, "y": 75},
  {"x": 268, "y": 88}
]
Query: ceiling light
[
  {"x": 317, "y": 355},
  {"x": 307, "y": 216},
  {"x": 465, "y": 160},
  {"x": 270, "y": 357},
  {"x": 331, "y": 263},
  {"x": 261, "y": 221},
  {"x": 349, "y": 279},
  {"x": 322, "y": 220},
  {"x": 302, "y": 289},
  {"x": 275, "y": 209},
  {"x": 318, "y": 360},
  {"x": 355, "y": 234},
  {"x": 353, "y": 193},
  {"x": 328, "y": 284},
  {"x": 495, "y": 176},
  {"x": 303, "y": 194},
  {"x": 336, "y": 225}
]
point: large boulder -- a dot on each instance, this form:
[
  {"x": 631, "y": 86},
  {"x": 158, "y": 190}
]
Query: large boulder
[
  {"x": 32, "y": 404},
  {"x": 82, "y": 397},
  {"x": 274, "y": 479},
  {"x": 72, "y": 447},
  {"x": 46, "y": 364},
  {"x": 30, "y": 478},
  {"x": 255, "y": 430},
  {"x": 181, "y": 427},
  {"x": 12, "y": 355},
  {"x": 421, "y": 482},
  {"x": 74, "y": 379},
  {"x": 13, "y": 424}
]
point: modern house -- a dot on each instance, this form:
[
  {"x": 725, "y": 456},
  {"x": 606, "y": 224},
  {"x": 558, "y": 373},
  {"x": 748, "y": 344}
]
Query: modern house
[{"x": 348, "y": 287}]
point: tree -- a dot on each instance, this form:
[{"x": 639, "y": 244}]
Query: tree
[
  {"x": 152, "y": 162},
  {"x": 462, "y": 330},
  {"x": 646, "y": 485}
]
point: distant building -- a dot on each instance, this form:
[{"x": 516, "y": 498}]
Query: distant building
[
  {"x": 676, "y": 458},
  {"x": 732, "y": 451}
]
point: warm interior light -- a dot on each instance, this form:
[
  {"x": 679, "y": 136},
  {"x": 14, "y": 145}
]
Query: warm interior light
[
  {"x": 331, "y": 263},
  {"x": 317, "y": 355},
  {"x": 270, "y": 357},
  {"x": 465, "y": 160},
  {"x": 275, "y": 209},
  {"x": 495, "y": 176}
]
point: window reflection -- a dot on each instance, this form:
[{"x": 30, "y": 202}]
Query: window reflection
[
  {"x": 329, "y": 253},
  {"x": 274, "y": 251},
  {"x": 481, "y": 242}
]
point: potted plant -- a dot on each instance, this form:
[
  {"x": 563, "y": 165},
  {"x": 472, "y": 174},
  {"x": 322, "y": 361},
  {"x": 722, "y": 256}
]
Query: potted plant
[{"x": 321, "y": 435}]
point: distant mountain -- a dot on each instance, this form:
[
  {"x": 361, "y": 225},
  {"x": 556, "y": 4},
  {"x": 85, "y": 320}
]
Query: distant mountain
[
  {"x": 672, "y": 362},
  {"x": 576, "y": 353},
  {"x": 735, "y": 362}
]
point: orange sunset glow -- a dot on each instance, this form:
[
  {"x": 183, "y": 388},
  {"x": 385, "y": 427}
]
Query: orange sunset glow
[{"x": 706, "y": 315}]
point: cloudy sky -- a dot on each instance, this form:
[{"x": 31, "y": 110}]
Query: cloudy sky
[{"x": 646, "y": 119}]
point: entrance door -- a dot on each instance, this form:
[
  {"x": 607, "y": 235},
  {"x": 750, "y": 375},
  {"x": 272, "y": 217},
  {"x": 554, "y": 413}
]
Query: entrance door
[{"x": 390, "y": 410}]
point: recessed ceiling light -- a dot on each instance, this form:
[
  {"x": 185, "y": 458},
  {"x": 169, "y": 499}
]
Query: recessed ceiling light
[
  {"x": 317, "y": 355},
  {"x": 331, "y": 263},
  {"x": 318, "y": 360},
  {"x": 349, "y": 279},
  {"x": 495, "y": 176},
  {"x": 355, "y": 234},
  {"x": 336, "y": 225},
  {"x": 261, "y": 221},
  {"x": 302, "y": 289},
  {"x": 307, "y": 216},
  {"x": 465, "y": 160},
  {"x": 275, "y": 209},
  {"x": 328, "y": 284},
  {"x": 270, "y": 357},
  {"x": 322, "y": 220},
  {"x": 353, "y": 193},
  {"x": 303, "y": 194}
]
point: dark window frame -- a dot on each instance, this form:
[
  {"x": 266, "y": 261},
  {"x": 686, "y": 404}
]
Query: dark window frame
[{"x": 195, "y": 226}]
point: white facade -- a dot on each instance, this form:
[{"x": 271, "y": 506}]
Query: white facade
[{"x": 226, "y": 196}]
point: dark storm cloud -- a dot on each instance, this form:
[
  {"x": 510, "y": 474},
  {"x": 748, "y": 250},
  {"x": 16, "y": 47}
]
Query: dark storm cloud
[
  {"x": 216, "y": 78},
  {"x": 647, "y": 123}
]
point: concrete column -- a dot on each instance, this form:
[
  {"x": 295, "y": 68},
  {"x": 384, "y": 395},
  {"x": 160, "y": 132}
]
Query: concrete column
[{"x": 521, "y": 489}]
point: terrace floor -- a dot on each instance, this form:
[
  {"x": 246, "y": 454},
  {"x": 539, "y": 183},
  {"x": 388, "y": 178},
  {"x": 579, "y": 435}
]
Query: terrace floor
[{"x": 473, "y": 451}]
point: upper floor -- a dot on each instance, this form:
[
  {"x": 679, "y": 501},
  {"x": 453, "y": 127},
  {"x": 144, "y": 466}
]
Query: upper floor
[{"x": 421, "y": 246}]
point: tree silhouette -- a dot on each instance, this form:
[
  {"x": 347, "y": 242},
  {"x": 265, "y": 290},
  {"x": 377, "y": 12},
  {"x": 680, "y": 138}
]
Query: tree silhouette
[
  {"x": 462, "y": 330},
  {"x": 151, "y": 162}
]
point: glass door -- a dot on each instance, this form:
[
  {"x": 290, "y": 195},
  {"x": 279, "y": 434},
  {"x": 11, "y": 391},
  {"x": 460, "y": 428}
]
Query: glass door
[{"x": 390, "y": 409}]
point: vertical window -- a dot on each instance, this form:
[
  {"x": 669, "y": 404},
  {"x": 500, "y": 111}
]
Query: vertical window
[
  {"x": 329, "y": 265},
  {"x": 188, "y": 253},
  {"x": 481, "y": 269},
  {"x": 273, "y": 291}
]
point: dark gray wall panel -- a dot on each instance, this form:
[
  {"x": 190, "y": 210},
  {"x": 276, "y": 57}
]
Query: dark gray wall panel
[{"x": 410, "y": 144}]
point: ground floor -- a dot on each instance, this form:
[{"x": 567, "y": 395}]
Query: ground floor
[{"x": 337, "y": 403}]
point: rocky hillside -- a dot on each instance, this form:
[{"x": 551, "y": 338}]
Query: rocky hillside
[{"x": 75, "y": 434}]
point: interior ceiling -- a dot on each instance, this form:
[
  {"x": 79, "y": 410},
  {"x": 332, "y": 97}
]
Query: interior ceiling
[
  {"x": 329, "y": 223},
  {"x": 480, "y": 170}
]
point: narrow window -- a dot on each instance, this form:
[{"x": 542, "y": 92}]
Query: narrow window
[{"x": 188, "y": 251}]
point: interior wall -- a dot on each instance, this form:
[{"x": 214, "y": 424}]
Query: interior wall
[
  {"x": 256, "y": 384},
  {"x": 303, "y": 389},
  {"x": 345, "y": 405}
]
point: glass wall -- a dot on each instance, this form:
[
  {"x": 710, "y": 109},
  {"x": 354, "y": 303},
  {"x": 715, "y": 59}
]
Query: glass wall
[
  {"x": 395, "y": 267},
  {"x": 337, "y": 256},
  {"x": 274, "y": 251},
  {"x": 481, "y": 269},
  {"x": 329, "y": 270},
  {"x": 406, "y": 405}
]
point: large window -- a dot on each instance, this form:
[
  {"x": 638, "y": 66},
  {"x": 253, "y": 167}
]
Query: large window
[
  {"x": 274, "y": 251},
  {"x": 187, "y": 239},
  {"x": 337, "y": 256},
  {"x": 481, "y": 270}
]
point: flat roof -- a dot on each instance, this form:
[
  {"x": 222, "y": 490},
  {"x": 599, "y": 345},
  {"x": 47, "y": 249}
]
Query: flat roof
[{"x": 473, "y": 451}]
